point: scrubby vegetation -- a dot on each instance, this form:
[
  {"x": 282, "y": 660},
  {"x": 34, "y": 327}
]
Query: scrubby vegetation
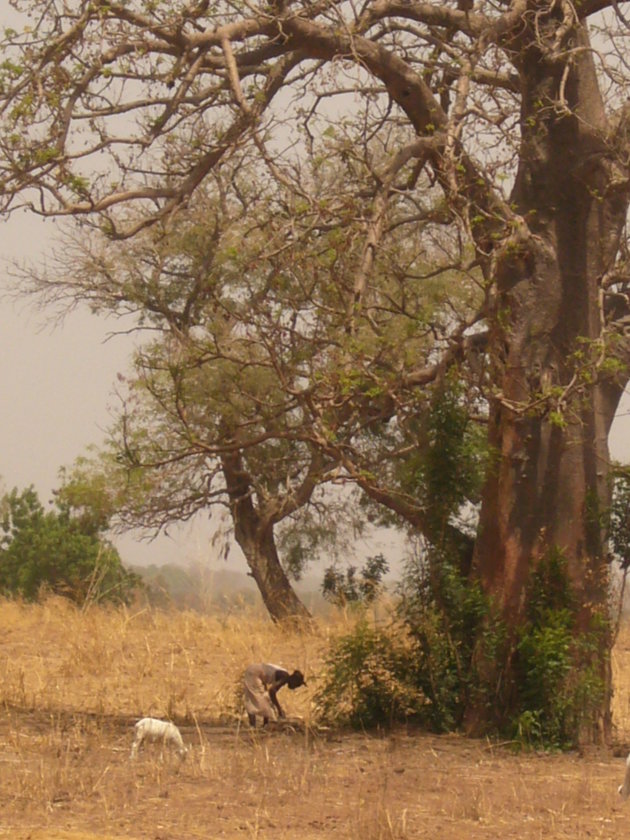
[
  {"x": 60, "y": 550},
  {"x": 73, "y": 682},
  {"x": 427, "y": 664}
]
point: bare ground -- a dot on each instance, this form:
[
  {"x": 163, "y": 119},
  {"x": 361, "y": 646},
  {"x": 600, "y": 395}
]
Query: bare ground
[
  {"x": 71, "y": 686},
  {"x": 69, "y": 776}
]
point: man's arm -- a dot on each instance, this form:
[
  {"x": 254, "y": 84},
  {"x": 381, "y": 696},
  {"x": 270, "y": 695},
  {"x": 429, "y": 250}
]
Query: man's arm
[{"x": 281, "y": 678}]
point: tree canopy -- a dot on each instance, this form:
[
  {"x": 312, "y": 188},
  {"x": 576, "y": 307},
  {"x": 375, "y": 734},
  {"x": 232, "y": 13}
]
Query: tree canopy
[{"x": 249, "y": 393}]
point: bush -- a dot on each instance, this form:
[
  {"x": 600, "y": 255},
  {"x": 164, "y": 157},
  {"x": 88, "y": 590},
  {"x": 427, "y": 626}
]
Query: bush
[
  {"x": 420, "y": 667},
  {"x": 52, "y": 549},
  {"x": 444, "y": 613},
  {"x": 368, "y": 681},
  {"x": 447, "y": 653},
  {"x": 559, "y": 687}
]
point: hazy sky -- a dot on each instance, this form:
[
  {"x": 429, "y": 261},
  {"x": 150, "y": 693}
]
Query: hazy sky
[{"x": 57, "y": 384}]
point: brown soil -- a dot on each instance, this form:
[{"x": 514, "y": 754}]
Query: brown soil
[
  {"x": 69, "y": 776},
  {"x": 65, "y": 772}
]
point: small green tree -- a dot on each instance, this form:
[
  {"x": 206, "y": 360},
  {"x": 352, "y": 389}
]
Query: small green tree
[
  {"x": 66, "y": 553},
  {"x": 349, "y": 587}
]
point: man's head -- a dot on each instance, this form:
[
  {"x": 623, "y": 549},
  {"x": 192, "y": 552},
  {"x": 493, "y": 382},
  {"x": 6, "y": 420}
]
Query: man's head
[{"x": 296, "y": 679}]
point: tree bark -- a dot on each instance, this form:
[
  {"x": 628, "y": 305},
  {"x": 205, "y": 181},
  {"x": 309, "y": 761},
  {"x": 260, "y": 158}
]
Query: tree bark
[
  {"x": 254, "y": 534},
  {"x": 552, "y": 408}
]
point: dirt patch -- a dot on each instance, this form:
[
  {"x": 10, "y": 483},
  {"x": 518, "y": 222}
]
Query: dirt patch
[
  {"x": 70, "y": 778},
  {"x": 73, "y": 684}
]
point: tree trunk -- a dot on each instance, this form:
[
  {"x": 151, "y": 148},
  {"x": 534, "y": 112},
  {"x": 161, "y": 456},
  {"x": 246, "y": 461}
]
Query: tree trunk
[
  {"x": 552, "y": 409},
  {"x": 262, "y": 558},
  {"x": 254, "y": 534}
]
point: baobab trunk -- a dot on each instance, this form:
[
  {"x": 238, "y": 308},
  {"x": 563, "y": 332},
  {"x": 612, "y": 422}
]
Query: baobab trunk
[{"x": 553, "y": 406}]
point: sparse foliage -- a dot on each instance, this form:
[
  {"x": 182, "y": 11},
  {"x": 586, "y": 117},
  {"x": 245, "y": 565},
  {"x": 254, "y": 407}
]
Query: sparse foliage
[{"x": 354, "y": 585}]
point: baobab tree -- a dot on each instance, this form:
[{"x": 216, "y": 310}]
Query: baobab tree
[{"x": 508, "y": 132}]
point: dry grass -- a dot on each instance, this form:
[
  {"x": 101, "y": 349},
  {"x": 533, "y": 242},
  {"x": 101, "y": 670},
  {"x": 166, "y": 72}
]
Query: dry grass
[
  {"x": 621, "y": 681},
  {"x": 72, "y": 683},
  {"x": 114, "y": 662}
]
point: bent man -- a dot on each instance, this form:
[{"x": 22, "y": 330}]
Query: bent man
[{"x": 261, "y": 684}]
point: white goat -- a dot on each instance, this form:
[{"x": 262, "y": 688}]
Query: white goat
[
  {"x": 624, "y": 789},
  {"x": 152, "y": 729}
]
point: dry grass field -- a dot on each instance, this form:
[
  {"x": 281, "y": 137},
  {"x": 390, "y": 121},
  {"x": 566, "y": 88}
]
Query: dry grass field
[{"x": 72, "y": 683}]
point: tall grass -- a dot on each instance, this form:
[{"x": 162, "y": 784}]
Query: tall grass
[
  {"x": 183, "y": 665},
  {"x": 115, "y": 661}
]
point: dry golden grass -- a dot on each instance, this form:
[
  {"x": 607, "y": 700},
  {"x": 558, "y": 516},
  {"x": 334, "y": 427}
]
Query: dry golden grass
[
  {"x": 621, "y": 682},
  {"x": 114, "y": 662},
  {"x": 72, "y": 683}
]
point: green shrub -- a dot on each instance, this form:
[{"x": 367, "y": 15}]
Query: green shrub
[
  {"x": 559, "y": 687},
  {"x": 368, "y": 681},
  {"x": 444, "y": 613},
  {"x": 446, "y": 653},
  {"x": 420, "y": 667}
]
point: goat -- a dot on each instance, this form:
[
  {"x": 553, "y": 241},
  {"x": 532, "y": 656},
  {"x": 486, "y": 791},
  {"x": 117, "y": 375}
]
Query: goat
[
  {"x": 624, "y": 789},
  {"x": 152, "y": 729}
]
